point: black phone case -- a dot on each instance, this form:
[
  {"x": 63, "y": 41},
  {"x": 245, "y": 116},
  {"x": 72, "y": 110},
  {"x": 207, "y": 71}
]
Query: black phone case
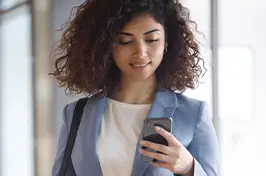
[{"x": 150, "y": 134}]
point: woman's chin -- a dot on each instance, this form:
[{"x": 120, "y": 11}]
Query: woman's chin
[{"x": 141, "y": 77}]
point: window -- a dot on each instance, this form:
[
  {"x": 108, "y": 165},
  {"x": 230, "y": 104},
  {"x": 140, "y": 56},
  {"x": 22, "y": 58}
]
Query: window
[
  {"x": 242, "y": 87},
  {"x": 16, "y": 117},
  {"x": 6, "y": 4},
  {"x": 236, "y": 107}
]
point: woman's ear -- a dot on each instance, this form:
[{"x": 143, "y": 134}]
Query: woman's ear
[{"x": 165, "y": 47}]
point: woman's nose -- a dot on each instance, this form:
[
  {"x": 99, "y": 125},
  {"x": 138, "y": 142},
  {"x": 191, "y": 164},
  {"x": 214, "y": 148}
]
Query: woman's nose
[{"x": 140, "y": 50}]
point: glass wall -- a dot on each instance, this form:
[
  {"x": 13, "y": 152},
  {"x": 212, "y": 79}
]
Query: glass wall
[{"x": 16, "y": 95}]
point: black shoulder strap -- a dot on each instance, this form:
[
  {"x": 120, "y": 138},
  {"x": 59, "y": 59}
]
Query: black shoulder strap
[{"x": 78, "y": 111}]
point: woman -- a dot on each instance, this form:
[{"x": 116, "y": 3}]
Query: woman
[{"x": 132, "y": 57}]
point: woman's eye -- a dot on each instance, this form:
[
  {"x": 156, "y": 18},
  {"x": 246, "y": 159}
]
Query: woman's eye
[
  {"x": 153, "y": 40},
  {"x": 124, "y": 42}
]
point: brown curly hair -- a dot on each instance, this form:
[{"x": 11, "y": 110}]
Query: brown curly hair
[{"x": 84, "y": 62}]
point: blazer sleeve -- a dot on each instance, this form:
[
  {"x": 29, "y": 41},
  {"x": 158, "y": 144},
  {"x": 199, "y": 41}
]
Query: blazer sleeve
[
  {"x": 204, "y": 145},
  {"x": 61, "y": 144}
]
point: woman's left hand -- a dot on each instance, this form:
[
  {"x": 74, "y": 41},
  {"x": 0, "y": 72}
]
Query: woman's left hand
[{"x": 175, "y": 157}]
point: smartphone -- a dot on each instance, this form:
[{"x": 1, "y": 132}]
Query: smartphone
[{"x": 150, "y": 134}]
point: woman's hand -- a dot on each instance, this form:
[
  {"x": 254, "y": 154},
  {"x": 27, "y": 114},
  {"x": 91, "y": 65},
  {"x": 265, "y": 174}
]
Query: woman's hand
[{"x": 174, "y": 157}]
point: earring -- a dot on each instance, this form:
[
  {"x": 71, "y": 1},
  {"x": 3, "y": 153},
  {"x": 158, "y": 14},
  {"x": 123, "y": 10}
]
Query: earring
[{"x": 165, "y": 50}]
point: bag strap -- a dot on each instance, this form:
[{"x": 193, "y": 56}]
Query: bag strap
[{"x": 77, "y": 115}]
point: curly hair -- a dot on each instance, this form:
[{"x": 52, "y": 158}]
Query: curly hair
[{"x": 84, "y": 61}]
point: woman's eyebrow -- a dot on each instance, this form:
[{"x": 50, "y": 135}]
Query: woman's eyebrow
[{"x": 148, "y": 32}]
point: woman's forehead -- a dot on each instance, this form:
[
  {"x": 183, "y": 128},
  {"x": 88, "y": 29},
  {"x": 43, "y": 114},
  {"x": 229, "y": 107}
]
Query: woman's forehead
[{"x": 143, "y": 24}]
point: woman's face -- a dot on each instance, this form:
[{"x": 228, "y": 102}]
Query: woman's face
[{"x": 139, "y": 48}]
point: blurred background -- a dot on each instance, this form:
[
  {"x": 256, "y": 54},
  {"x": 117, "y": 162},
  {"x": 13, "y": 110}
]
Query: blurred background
[{"x": 31, "y": 103}]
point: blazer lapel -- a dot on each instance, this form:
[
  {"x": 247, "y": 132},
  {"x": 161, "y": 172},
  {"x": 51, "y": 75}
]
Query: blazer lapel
[
  {"x": 91, "y": 125},
  {"x": 164, "y": 105}
]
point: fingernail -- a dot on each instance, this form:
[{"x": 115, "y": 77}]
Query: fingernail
[
  {"x": 142, "y": 142},
  {"x": 158, "y": 128}
]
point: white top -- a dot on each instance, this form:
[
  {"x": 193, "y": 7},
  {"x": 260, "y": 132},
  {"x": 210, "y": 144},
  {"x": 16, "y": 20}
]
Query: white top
[{"x": 118, "y": 136}]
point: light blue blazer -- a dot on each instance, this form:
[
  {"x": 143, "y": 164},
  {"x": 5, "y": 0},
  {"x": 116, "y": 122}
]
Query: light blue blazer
[{"x": 192, "y": 126}]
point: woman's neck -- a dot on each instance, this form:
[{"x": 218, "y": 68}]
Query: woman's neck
[{"x": 135, "y": 92}]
